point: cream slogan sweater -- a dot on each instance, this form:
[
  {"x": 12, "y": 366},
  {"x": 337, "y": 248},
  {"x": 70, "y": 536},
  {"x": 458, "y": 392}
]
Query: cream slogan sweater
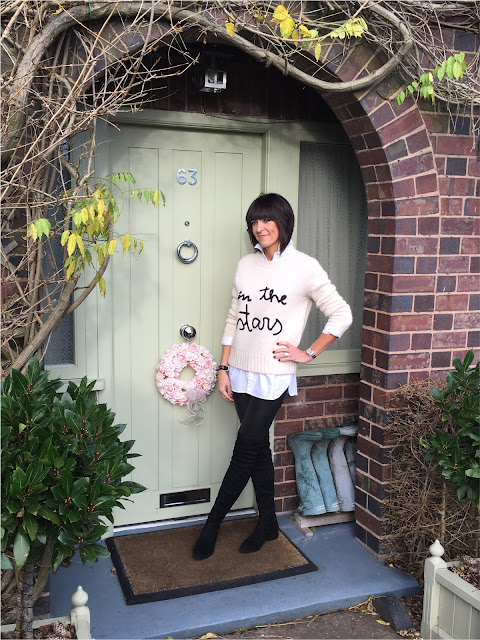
[{"x": 271, "y": 301}]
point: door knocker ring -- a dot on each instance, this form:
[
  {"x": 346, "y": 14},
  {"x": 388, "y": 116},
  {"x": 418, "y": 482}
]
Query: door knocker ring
[{"x": 187, "y": 243}]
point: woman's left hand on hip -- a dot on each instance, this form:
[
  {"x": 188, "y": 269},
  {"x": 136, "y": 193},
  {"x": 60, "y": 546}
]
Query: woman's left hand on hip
[{"x": 286, "y": 352}]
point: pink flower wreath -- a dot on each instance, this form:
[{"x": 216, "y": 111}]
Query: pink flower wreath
[{"x": 182, "y": 392}]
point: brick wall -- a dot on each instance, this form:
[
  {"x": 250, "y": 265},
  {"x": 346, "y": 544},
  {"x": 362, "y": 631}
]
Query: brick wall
[
  {"x": 322, "y": 401},
  {"x": 421, "y": 172}
]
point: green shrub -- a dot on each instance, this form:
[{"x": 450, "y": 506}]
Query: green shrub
[
  {"x": 62, "y": 469},
  {"x": 457, "y": 453}
]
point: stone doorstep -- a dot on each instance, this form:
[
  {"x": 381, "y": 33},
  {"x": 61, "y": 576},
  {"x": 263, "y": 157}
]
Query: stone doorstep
[{"x": 348, "y": 574}]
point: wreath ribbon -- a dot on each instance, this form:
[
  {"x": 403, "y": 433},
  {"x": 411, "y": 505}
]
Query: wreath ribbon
[{"x": 196, "y": 398}]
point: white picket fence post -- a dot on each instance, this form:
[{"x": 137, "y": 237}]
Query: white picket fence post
[
  {"x": 431, "y": 593},
  {"x": 451, "y": 606},
  {"x": 80, "y": 614}
]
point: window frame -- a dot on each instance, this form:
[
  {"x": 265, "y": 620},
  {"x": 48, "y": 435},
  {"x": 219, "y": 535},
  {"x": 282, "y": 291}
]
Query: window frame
[{"x": 338, "y": 360}]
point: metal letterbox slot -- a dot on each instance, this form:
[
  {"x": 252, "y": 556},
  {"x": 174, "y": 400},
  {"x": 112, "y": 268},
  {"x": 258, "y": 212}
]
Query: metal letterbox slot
[{"x": 179, "y": 498}]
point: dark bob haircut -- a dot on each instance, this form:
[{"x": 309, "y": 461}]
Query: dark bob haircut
[{"x": 272, "y": 206}]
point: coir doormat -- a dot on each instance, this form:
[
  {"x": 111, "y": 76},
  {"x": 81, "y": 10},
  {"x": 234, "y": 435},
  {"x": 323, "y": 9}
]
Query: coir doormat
[{"x": 158, "y": 565}]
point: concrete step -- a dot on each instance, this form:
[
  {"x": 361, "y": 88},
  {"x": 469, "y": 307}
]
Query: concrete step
[{"x": 348, "y": 574}]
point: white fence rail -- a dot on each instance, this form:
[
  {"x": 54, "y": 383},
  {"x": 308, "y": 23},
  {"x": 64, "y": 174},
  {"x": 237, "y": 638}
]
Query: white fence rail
[{"x": 451, "y": 606}]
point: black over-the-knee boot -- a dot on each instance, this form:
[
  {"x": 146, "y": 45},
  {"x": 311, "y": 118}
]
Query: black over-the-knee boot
[
  {"x": 263, "y": 483},
  {"x": 238, "y": 473}
]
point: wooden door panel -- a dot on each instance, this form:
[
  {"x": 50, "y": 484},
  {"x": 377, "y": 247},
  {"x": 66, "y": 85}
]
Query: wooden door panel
[{"x": 154, "y": 294}]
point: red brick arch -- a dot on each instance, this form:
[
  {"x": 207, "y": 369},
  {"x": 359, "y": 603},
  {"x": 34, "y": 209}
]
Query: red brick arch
[{"x": 397, "y": 160}]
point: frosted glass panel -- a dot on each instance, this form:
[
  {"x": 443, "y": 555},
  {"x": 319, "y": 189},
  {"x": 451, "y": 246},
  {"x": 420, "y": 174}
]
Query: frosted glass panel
[
  {"x": 61, "y": 346},
  {"x": 332, "y": 226}
]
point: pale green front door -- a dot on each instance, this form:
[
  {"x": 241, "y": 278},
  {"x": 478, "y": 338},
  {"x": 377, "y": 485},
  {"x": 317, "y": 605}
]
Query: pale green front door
[{"x": 154, "y": 294}]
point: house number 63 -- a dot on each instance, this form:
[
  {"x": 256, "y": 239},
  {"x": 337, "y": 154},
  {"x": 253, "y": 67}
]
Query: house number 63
[{"x": 182, "y": 177}]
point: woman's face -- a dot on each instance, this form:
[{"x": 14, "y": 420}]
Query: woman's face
[{"x": 267, "y": 235}]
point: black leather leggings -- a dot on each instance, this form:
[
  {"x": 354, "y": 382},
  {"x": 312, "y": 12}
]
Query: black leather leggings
[
  {"x": 251, "y": 456},
  {"x": 256, "y": 416}
]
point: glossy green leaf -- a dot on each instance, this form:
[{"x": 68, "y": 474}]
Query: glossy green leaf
[
  {"x": 31, "y": 525},
  {"x": 6, "y": 562},
  {"x": 21, "y": 548}
]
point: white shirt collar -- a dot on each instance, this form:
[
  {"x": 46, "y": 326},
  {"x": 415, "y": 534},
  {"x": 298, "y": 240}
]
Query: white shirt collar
[{"x": 277, "y": 255}]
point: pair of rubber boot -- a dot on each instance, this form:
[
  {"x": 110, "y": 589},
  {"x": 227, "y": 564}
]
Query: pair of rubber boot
[
  {"x": 324, "y": 480},
  {"x": 249, "y": 459},
  {"x": 314, "y": 479}
]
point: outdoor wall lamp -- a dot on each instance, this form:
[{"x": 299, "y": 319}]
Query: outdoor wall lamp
[{"x": 211, "y": 76}]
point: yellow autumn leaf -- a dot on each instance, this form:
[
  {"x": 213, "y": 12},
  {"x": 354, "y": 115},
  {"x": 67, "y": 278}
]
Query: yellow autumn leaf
[
  {"x": 280, "y": 14},
  {"x": 295, "y": 37},
  {"x": 286, "y": 27},
  {"x": 33, "y": 231},
  {"x": 156, "y": 194},
  {"x": 208, "y": 635},
  {"x": 90, "y": 229},
  {"x": 91, "y": 211},
  {"x": 80, "y": 245},
  {"x": 101, "y": 207},
  {"x": 72, "y": 243},
  {"x": 84, "y": 214},
  {"x": 318, "y": 51},
  {"x": 101, "y": 258},
  {"x": 357, "y": 30},
  {"x": 111, "y": 246},
  {"x": 64, "y": 237},
  {"x": 304, "y": 31},
  {"x": 230, "y": 27},
  {"x": 387, "y": 624},
  {"x": 71, "y": 268},
  {"x": 126, "y": 242},
  {"x": 102, "y": 286}
]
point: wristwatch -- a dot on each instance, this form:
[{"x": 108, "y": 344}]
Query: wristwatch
[{"x": 310, "y": 352}]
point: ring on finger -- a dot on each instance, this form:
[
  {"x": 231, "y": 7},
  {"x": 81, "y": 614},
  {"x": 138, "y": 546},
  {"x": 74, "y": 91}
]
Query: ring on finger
[{"x": 285, "y": 354}]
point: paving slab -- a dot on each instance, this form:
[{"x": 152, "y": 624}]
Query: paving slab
[
  {"x": 345, "y": 625},
  {"x": 348, "y": 574}
]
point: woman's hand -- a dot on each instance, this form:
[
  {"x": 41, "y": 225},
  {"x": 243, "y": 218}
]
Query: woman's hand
[
  {"x": 286, "y": 352},
  {"x": 224, "y": 385}
]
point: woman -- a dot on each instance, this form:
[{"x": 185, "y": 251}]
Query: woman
[{"x": 274, "y": 289}]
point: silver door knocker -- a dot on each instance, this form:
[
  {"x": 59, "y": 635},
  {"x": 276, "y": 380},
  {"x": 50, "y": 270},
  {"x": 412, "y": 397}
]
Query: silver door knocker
[{"x": 187, "y": 243}]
